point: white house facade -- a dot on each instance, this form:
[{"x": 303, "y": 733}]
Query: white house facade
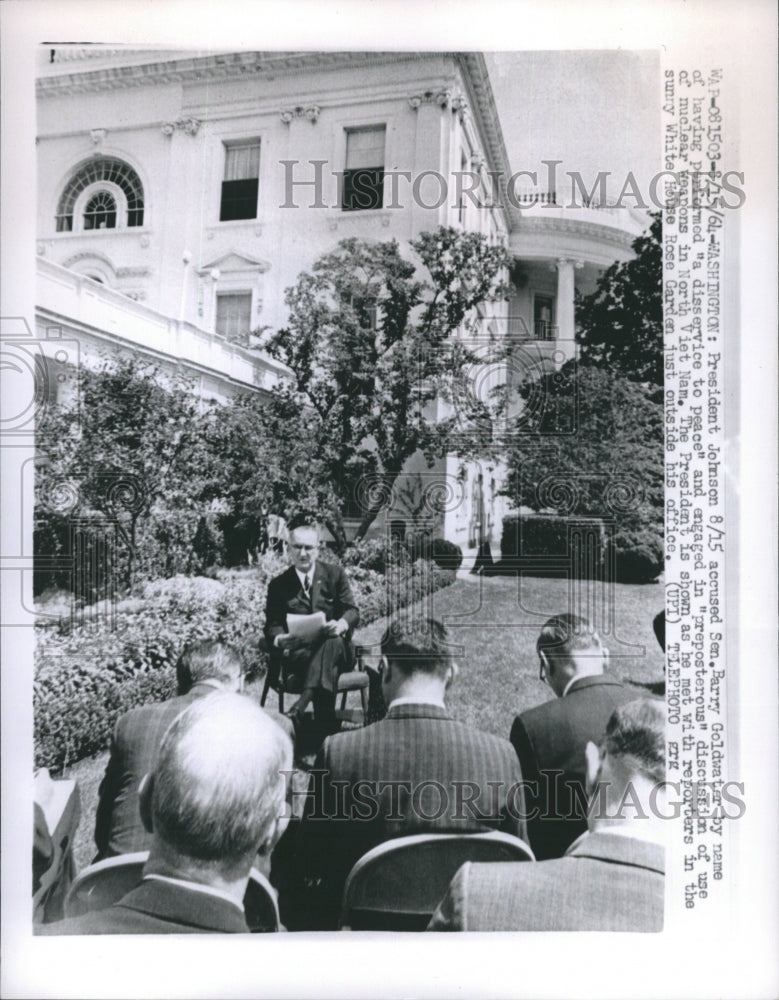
[{"x": 181, "y": 193}]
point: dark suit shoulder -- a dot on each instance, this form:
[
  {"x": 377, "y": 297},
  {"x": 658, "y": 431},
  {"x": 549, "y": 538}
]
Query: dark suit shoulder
[{"x": 603, "y": 688}]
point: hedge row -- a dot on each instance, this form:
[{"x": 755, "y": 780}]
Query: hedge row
[
  {"x": 85, "y": 677},
  {"x": 530, "y": 539}
]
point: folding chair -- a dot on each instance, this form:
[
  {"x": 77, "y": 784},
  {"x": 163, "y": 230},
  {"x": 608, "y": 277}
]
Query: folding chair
[
  {"x": 104, "y": 883},
  {"x": 352, "y": 680},
  {"x": 397, "y": 885}
]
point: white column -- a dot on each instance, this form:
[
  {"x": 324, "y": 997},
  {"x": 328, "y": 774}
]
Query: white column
[{"x": 565, "y": 342}]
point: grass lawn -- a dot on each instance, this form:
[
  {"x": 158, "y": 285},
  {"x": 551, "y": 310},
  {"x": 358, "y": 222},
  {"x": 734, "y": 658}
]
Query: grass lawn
[{"x": 494, "y": 623}]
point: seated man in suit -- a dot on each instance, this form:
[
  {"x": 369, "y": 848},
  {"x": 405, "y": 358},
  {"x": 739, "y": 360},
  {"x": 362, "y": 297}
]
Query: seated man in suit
[
  {"x": 308, "y": 586},
  {"x": 215, "y": 799},
  {"x": 415, "y": 771},
  {"x": 203, "y": 668},
  {"x": 612, "y": 877},
  {"x": 550, "y": 738}
]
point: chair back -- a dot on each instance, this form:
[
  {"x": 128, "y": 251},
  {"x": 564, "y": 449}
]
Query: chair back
[
  {"x": 397, "y": 885},
  {"x": 106, "y": 882}
]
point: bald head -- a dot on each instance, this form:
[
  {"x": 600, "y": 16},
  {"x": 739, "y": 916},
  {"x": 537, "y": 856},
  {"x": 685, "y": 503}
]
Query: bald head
[{"x": 217, "y": 791}]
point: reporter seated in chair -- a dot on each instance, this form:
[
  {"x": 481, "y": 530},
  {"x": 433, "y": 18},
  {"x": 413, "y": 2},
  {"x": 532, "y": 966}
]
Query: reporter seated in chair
[
  {"x": 309, "y": 586},
  {"x": 213, "y": 802}
]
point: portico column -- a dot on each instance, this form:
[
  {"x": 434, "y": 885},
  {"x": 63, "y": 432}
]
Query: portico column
[{"x": 566, "y": 329}]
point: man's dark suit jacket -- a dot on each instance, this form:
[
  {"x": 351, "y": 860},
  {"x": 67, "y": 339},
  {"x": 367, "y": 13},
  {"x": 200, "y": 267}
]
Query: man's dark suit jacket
[
  {"x": 412, "y": 772},
  {"x": 552, "y": 738},
  {"x": 157, "y": 908},
  {"x": 135, "y": 744},
  {"x": 330, "y": 593},
  {"x": 607, "y": 882}
]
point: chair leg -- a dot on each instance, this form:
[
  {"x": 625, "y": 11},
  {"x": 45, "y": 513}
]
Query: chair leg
[
  {"x": 265, "y": 689},
  {"x": 281, "y": 697},
  {"x": 364, "y": 700},
  {"x": 343, "y": 700}
]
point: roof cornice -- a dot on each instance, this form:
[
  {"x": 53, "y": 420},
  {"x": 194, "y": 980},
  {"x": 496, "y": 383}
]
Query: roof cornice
[
  {"x": 186, "y": 68},
  {"x": 477, "y": 76},
  {"x": 598, "y": 233}
]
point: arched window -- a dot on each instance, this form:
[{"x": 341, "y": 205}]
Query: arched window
[
  {"x": 100, "y": 212},
  {"x": 113, "y": 193}
]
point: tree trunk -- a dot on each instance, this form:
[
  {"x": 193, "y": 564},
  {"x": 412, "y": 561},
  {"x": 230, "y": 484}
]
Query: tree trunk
[{"x": 375, "y": 509}]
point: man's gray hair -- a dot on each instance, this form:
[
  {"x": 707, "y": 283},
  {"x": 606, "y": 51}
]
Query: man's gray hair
[
  {"x": 207, "y": 660},
  {"x": 219, "y": 781}
]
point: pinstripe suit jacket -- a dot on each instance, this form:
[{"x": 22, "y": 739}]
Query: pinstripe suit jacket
[
  {"x": 134, "y": 745},
  {"x": 606, "y": 882},
  {"x": 415, "y": 771}
]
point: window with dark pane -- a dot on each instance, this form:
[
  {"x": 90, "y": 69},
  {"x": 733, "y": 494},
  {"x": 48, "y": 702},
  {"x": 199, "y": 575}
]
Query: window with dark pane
[
  {"x": 233, "y": 316},
  {"x": 363, "y": 183},
  {"x": 241, "y": 181},
  {"x": 100, "y": 212}
]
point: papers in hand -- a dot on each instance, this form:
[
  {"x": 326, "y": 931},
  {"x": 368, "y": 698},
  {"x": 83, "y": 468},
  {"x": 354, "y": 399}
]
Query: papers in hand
[{"x": 306, "y": 626}]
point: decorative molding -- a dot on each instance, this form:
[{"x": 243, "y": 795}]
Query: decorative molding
[
  {"x": 136, "y": 296},
  {"x": 575, "y": 227},
  {"x": 144, "y": 241},
  {"x": 559, "y": 264},
  {"x": 460, "y": 107},
  {"x": 87, "y": 255},
  {"x": 234, "y": 260},
  {"x": 97, "y": 135},
  {"x": 40, "y": 248},
  {"x": 311, "y": 112},
  {"x": 189, "y": 126},
  {"x": 181, "y": 67},
  {"x": 133, "y": 272},
  {"x": 440, "y": 97}
]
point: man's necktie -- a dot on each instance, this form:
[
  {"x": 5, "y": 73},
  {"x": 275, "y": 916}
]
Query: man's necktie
[{"x": 306, "y": 584}]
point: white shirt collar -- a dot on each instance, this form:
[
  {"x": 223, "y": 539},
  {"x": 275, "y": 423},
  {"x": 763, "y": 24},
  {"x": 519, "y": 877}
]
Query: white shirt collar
[
  {"x": 208, "y": 890},
  {"x": 573, "y": 680},
  {"x": 416, "y": 701},
  {"x": 309, "y": 574},
  {"x": 633, "y": 831}
]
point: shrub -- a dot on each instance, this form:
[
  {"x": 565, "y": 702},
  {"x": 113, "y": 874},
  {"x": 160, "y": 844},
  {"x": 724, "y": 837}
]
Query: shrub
[
  {"x": 541, "y": 535},
  {"x": 376, "y": 554},
  {"x": 86, "y": 677},
  {"x": 640, "y": 554},
  {"x": 446, "y": 554},
  {"x": 638, "y": 551}
]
